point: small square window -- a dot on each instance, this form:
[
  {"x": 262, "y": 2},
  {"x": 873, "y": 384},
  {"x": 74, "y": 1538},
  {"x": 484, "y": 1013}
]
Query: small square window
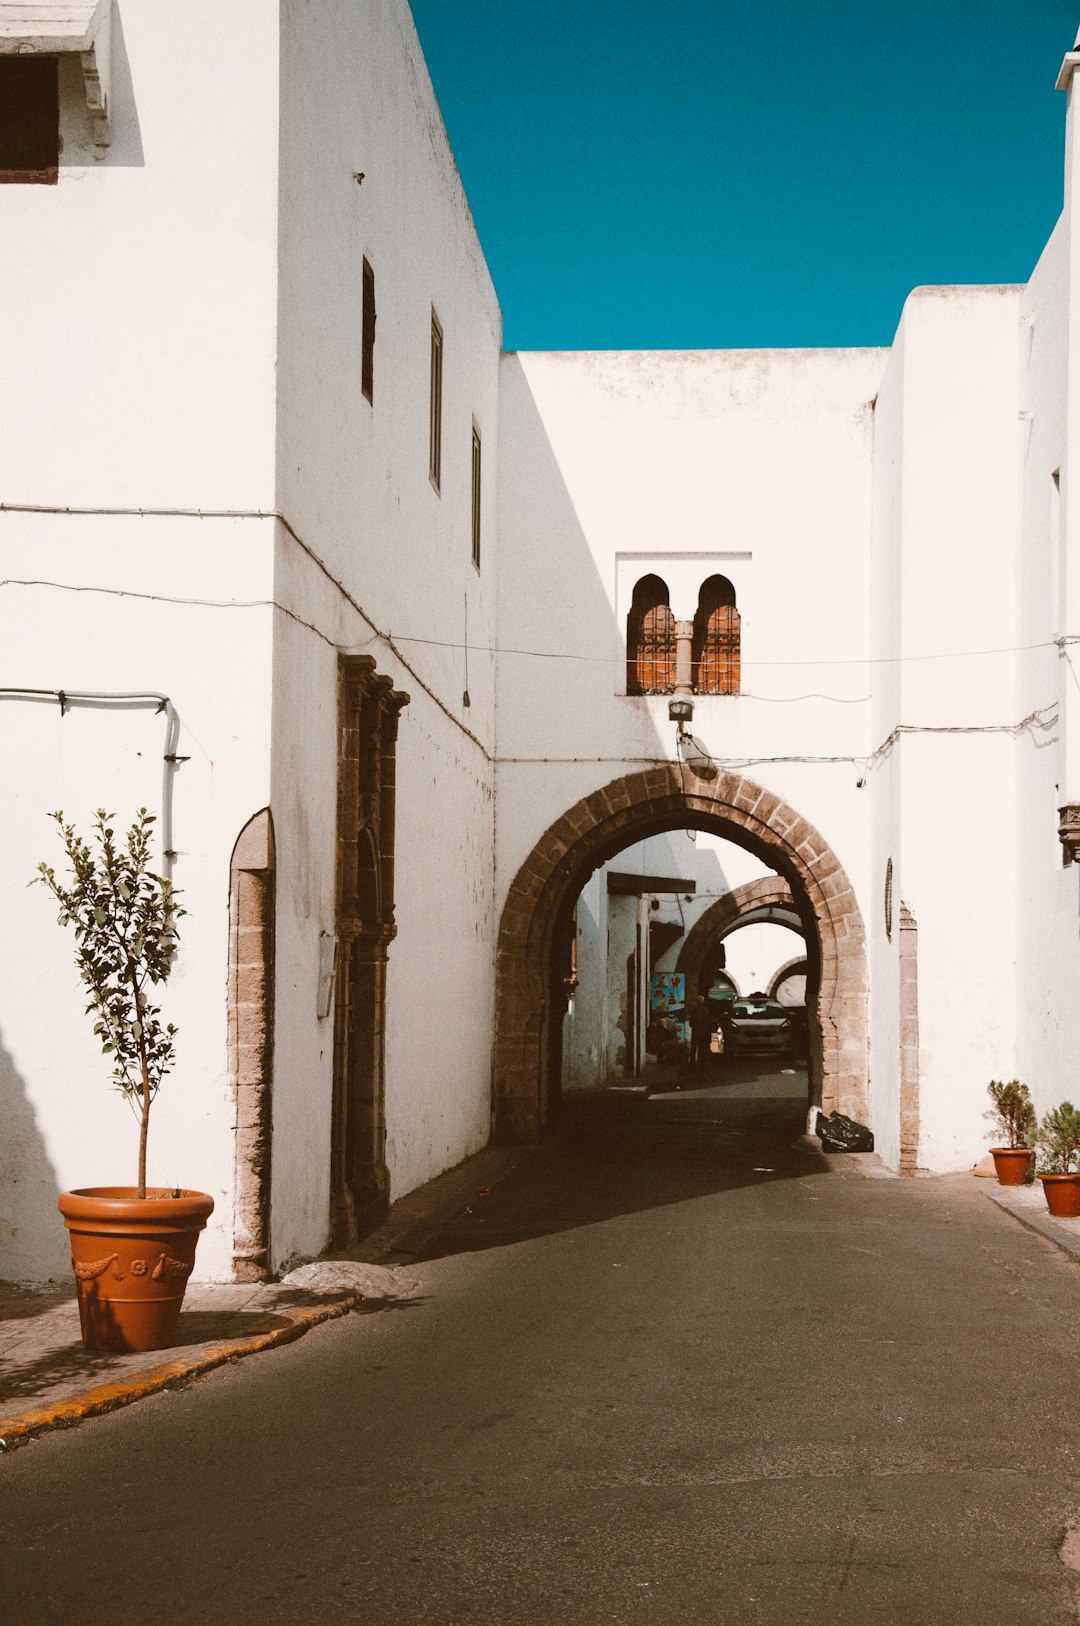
[{"x": 29, "y": 120}]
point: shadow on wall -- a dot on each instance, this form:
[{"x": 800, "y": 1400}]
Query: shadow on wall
[
  {"x": 125, "y": 149},
  {"x": 554, "y": 599},
  {"x": 33, "y": 1245}
]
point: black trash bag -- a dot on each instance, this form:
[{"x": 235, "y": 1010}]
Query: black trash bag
[{"x": 840, "y": 1134}]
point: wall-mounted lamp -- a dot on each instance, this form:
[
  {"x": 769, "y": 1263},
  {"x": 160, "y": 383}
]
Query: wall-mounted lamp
[
  {"x": 680, "y": 709},
  {"x": 695, "y": 755}
]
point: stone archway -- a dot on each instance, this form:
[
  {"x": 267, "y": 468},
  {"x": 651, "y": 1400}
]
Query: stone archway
[
  {"x": 721, "y": 917},
  {"x": 622, "y": 812},
  {"x": 790, "y": 968}
]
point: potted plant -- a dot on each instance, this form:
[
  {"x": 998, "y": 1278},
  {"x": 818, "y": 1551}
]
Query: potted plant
[
  {"x": 1013, "y": 1114},
  {"x": 1058, "y": 1145},
  {"x": 132, "y": 1247}
]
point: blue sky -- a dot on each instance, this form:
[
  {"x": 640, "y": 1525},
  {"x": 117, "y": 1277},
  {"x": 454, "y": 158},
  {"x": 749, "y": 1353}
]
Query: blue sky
[{"x": 705, "y": 173}]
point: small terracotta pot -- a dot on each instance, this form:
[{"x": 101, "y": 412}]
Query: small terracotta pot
[
  {"x": 132, "y": 1257},
  {"x": 1012, "y": 1164},
  {"x": 1062, "y": 1194}
]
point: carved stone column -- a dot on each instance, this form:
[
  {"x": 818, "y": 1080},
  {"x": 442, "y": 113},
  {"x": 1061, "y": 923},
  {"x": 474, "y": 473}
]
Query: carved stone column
[
  {"x": 684, "y": 670},
  {"x": 1069, "y": 830}
]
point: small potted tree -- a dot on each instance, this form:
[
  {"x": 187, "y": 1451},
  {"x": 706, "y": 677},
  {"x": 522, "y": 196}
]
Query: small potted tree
[
  {"x": 1012, "y": 1112},
  {"x": 132, "y": 1247},
  {"x": 1058, "y": 1147}
]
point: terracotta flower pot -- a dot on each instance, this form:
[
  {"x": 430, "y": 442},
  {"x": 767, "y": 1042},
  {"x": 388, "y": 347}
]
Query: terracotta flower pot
[
  {"x": 1062, "y": 1194},
  {"x": 1012, "y": 1164},
  {"x": 132, "y": 1257}
]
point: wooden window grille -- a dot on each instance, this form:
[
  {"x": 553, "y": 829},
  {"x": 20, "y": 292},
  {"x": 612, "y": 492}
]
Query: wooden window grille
[
  {"x": 716, "y": 651},
  {"x": 367, "y": 343},
  {"x": 476, "y": 454},
  {"x": 435, "y": 422},
  {"x": 29, "y": 120},
  {"x": 650, "y": 640}
]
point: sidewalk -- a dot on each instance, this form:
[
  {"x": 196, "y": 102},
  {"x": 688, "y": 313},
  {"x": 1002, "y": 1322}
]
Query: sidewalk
[
  {"x": 1028, "y": 1205},
  {"x": 48, "y": 1380}
]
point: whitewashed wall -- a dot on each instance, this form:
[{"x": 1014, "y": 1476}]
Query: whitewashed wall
[
  {"x": 946, "y": 461},
  {"x": 66, "y": 1126},
  {"x": 724, "y": 454},
  {"x": 185, "y": 374},
  {"x": 1048, "y": 940},
  {"x": 140, "y": 375},
  {"x": 353, "y": 483}
]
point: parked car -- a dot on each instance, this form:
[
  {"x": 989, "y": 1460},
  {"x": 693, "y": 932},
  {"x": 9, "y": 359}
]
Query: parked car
[{"x": 759, "y": 1024}]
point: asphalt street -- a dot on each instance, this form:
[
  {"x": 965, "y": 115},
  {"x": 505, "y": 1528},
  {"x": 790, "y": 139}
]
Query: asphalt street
[{"x": 678, "y": 1367}]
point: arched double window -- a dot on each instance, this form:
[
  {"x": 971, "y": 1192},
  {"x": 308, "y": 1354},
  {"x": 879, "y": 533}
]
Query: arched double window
[
  {"x": 650, "y": 639},
  {"x": 715, "y": 651}
]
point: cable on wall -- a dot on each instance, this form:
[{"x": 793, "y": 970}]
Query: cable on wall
[
  {"x": 393, "y": 645},
  {"x": 69, "y": 699},
  {"x": 242, "y": 513}
]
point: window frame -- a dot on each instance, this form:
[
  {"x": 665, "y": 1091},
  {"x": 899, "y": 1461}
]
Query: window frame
[
  {"x": 716, "y": 652},
  {"x": 644, "y": 648}
]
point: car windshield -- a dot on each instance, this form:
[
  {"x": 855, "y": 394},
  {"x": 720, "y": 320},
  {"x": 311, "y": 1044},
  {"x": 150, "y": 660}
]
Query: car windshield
[{"x": 756, "y": 1007}]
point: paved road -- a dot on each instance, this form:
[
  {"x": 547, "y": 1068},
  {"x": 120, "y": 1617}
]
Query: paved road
[{"x": 677, "y": 1368}]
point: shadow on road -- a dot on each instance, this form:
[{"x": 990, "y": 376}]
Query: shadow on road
[{"x": 623, "y": 1151}]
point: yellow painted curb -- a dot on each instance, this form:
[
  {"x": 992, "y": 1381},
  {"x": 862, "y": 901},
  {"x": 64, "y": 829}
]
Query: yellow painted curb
[{"x": 111, "y": 1396}]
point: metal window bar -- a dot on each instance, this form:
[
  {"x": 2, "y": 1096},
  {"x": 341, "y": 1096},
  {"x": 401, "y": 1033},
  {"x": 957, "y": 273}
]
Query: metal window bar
[
  {"x": 718, "y": 666},
  {"x": 655, "y": 662}
]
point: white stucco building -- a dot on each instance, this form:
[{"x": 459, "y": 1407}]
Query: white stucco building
[{"x": 295, "y": 555}]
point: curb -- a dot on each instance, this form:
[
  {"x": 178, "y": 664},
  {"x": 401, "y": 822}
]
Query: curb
[
  {"x": 407, "y": 1229},
  {"x": 111, "y": 1396},
  {"x": 1064, "y": 1234}
]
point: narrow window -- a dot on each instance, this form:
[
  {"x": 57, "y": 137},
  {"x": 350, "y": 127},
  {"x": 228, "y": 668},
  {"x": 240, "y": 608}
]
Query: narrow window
[
  {"x": 1057, "y": 559},
  {"x": 650, "y": 639},
  {"x": 29, "y": 120},
  {"x": 476, "y": 497},
  {"x": 367, "y": 352},
  {"x": 435, "y": 426},
  {"x": 715, "y": 651}
]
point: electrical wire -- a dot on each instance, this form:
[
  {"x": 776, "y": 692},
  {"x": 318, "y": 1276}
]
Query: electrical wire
[
  {"x": 392, "y": 642},
  {"x": 501, "y": 649},
  {"x": 274, "y": 514}
]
